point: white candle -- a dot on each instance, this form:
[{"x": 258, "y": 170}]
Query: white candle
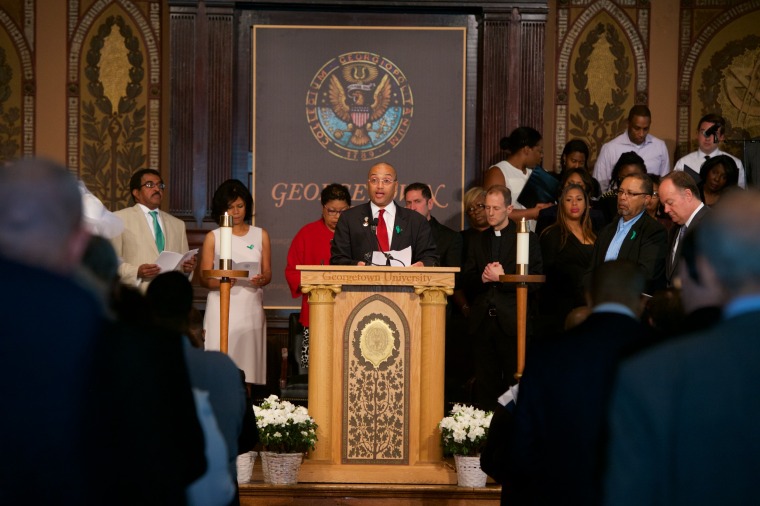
[
  {"x": 225, "y": 248},
  {"x": 523, "y": 244}
]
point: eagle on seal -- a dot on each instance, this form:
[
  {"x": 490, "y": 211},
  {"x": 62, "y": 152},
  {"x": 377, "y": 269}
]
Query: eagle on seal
[{"x": 351, "y": 104}]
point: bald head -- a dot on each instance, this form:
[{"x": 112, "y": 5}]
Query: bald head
[
  {"x": 382, "y": 184},
  {"x": 41, "y": 215},
  {"x": 729, "y": 239}
]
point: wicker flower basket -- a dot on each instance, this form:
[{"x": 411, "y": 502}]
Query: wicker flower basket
[
  {"x": 281, "y": 468},
  {"x": 245, "y": 463},
  {"x": 469, "y": 473}
]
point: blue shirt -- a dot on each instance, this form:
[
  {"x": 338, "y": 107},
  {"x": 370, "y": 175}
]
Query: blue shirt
[
  {"x": 614, "y": 307},
  {"x": 741, "y": 305},
  {"x": 622, "y": 232}
]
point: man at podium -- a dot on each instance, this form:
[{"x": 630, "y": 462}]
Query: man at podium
[{"x": 381, "y": 225}]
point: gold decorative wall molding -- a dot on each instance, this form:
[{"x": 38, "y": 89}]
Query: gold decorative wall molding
[
  {"x": 17, "y": 79},
  {"x": 602, "y": 52},
  {"x": 113, "y": 93},
  {"x": 718, "y": 48}
]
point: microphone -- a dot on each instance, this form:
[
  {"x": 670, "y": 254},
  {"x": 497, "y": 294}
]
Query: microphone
[
  {"x": 713, "y": 130},
  {"x": 388, "y": 256}
]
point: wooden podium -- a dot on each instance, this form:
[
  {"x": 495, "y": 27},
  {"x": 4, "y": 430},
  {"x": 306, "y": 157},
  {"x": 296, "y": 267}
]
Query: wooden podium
[{"x": 376, "y": 373}]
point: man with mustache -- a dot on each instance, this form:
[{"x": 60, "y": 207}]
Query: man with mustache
[
  {"x": 635, "y": 236},
  {"x": 148, "y": 231}
]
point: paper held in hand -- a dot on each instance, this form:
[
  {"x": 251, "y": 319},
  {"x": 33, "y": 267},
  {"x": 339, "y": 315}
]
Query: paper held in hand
[
  {"x": 393, "y": 258},
  {"x": 251, "y": 267},
  {"x": 171, "y": 261}
]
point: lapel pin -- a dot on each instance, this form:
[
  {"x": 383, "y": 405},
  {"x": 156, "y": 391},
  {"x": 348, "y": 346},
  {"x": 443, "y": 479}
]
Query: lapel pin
[{"x": 366, "y": 222}]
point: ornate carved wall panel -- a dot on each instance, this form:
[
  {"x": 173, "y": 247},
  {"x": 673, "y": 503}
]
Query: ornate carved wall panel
[
  {"x": 17, "y": 79},
  {"x": 602, "y": 69},
  {"x": 114, "y": 94},
  {"x": 718, "y": 70}
]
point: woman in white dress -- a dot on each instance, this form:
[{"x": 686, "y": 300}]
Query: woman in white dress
[{"x": 247, "y": 329}]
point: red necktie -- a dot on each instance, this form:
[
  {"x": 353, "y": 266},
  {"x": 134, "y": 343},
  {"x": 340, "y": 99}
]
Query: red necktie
[{"x": 382, "y": 231}]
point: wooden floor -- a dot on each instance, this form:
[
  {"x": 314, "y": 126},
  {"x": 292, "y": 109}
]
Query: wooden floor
[{"x": 323, "y": 494}]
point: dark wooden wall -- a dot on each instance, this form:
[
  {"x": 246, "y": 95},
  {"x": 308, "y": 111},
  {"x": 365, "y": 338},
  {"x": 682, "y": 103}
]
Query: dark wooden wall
[{"x": 210, "y": 41}]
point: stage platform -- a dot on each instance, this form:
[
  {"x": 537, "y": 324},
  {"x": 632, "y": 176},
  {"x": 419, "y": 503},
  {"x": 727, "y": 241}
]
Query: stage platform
[{"x": 324, "y": 494}]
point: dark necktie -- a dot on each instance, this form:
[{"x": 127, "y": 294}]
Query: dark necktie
[
  {"x": 681, "y": 233},
  {"x": 382, "y": 231},
  {"x": 707, "y": 157}
]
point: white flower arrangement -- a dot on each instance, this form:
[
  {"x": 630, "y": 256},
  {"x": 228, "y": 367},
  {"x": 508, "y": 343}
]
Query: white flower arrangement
[
  {"x": 465, "y": 431},
  {"x": 285, "y": 427}
]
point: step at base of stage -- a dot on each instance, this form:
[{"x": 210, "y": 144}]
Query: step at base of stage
[{"x": 324, "y": 494}]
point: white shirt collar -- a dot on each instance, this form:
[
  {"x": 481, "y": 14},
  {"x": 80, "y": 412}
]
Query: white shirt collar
[
  {"x": 688, "y": 222},
  {"x": 390, "y": 209}
]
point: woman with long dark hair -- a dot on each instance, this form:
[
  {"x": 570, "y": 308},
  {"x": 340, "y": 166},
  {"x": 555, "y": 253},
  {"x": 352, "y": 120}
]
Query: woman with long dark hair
[{"x": 566, "y": 248}]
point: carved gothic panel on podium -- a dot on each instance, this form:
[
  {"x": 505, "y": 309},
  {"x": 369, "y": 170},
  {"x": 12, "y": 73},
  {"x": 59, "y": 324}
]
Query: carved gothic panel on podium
[{"x": 376, "y": 384}]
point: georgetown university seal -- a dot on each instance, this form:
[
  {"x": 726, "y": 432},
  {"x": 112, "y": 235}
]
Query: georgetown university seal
[{"x": 359, "y": 106}]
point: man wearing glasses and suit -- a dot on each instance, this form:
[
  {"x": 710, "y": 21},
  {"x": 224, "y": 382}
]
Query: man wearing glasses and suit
[
  {"x": 148, "y": 231},
  {"x": 635, "y": 236},
  {"x": 381, "y": 225}
]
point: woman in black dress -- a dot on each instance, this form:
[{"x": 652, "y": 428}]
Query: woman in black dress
[{"x": 566, "y": 249}]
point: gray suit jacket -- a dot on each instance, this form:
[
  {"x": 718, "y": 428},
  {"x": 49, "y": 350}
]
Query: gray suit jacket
[{"x": 137, "y": 246}]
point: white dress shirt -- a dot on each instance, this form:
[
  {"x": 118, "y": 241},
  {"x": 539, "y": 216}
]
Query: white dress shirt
[{"x": 652, "y": 150}]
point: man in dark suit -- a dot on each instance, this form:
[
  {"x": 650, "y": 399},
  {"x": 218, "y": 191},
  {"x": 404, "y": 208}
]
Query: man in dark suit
[
  {"x": 381, "y": 225},
  {"x": 684, "y": 415},
  {"x": 635, "y": 236},
  {"x": 560, "y": 419},
  {"x": 680, "y": 196},
  {"x": 493, "y": 315},
  {"x": 448, "y": 243}
]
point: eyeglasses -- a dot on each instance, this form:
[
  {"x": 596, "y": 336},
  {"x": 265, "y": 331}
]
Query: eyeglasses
[
  {"x": 629, "y": 193},
  {"x": 151, "y": 184},
  {"x": 475, "y": 208},
  {"x": 385, "y": 181},
  {"x": 334, "y": 212}
]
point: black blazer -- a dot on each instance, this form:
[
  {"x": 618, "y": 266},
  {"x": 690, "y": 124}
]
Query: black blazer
[
  {"x": 448, "y": 244},
  {"x": 671, "y": 267},
  {"x": 559, "y": 426},
  {"x": 646, "y": 245},
  {"x": 496, "y": 294},
  {"x": 354, "y": 241}
]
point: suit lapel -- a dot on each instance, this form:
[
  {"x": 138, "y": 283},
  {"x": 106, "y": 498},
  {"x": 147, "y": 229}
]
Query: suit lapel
[
  {"x": 399, "y": 224},
  {"x": 669, "y": 264},
  {"x": 633, "y": 237}
]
